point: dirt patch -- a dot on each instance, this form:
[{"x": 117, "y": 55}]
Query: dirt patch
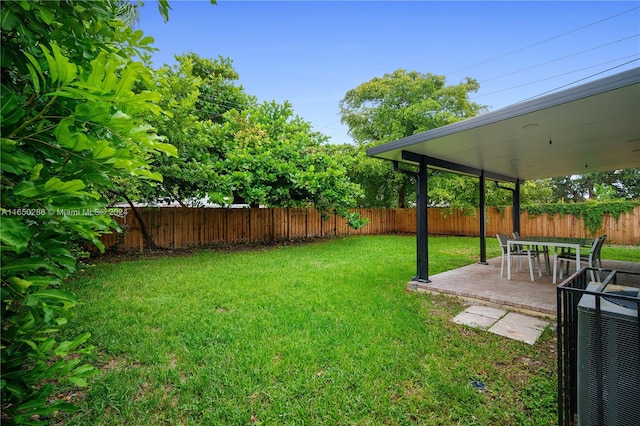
[{"x": 117, "y": 364}]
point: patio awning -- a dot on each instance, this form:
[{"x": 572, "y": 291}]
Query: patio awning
[{"x": 589, "y": 128}]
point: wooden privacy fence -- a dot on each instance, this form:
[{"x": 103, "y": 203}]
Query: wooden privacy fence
[
  {"x": 191, "y": 227},
  {"x": 624, "y": 231}
]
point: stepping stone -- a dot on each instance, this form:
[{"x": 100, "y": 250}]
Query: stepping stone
[
  {"x": 486, "y": 311},
  {"x": 512, "y": 325},
  {"x": 519, "y": 327},
  {"x": 527, "y": 321},
  {"x": 481, "y": 317}
]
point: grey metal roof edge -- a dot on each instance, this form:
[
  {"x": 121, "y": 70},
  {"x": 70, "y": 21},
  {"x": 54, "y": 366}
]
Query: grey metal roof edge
[{"x": 612, "y": 82}]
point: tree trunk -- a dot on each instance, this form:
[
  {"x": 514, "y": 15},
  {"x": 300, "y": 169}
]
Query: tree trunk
[
  {"x": 149, "y": 244},
  {"x": 175, "y": 197},
  {"x": 402, "y": 196}
]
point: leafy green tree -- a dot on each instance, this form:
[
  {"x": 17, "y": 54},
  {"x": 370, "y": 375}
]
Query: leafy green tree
[
  {"x": 394, "y": 106},
  {"x": 217, "y": 90},
  {"x": 232, "y": 149},
  {"x": 626, "y": 183},
  {"x": 195, "y": 95},
  {"x": 616, "y": 184},
  {"x": 378, "y": 181},
  {"x": 531, "y": 192},
  {"x": 71, "y": 126},
  {"x": 273, "y": 158},
  {"x": 404, "y": 103}
]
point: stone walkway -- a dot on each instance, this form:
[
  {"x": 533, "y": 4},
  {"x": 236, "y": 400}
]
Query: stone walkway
[{"x": 508, "y": 324}]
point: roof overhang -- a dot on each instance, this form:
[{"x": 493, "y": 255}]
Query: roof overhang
[{"x": 588, "y": 128}]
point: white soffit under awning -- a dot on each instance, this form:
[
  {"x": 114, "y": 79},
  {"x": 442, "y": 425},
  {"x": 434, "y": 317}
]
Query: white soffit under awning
[{"x": 588, "y": 128}]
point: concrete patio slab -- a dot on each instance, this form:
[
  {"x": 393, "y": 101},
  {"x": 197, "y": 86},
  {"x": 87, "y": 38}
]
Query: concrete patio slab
[
  {"x": 492, "y": 295},
  {"x": 482, "y": 284}
]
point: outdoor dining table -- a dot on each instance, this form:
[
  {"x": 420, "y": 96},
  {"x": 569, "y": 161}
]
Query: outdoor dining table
[{"x": 550, "y": 242}]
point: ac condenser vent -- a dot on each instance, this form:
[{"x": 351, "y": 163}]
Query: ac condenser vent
[{"x": 608, "y": 358}]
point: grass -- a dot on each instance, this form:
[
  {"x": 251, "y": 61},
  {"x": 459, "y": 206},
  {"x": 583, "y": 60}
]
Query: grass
[
  {"x": 317, "y": 334},
  {"x": 624, "y": 253}
]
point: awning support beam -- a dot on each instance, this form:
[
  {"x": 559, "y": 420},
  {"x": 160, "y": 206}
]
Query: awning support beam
[
  {"x": 437, "y": 163},
  {"x": 483, "y": 220},
  {"x": 422, "y": 223}
]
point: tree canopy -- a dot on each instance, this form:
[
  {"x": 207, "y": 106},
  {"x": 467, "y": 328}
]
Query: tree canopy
[
  {"x": 234, "y": 149},
  {"x": 274, "y": 158},
  {"x": 616, "y": 184},
  {"x": 195, "y": 93},
  {"x": 393, "y": 106},
  {"x": 403, "y": 103},
  {"x": 72, "y": 126}
]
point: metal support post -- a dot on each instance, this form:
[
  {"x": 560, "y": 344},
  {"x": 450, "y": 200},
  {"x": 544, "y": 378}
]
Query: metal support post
[
  {"x": 483, "y": 221},
  {"x": 516, "y": 207},
  {"x": 422, "y": 226}
]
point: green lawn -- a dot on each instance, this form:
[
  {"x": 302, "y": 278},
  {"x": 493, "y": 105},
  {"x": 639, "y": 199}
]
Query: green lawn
[{"x": 322, "y": 333}]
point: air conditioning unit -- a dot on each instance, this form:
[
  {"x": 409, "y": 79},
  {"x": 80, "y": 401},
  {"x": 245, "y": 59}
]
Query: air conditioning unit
[{"x": 611, "y": 396}]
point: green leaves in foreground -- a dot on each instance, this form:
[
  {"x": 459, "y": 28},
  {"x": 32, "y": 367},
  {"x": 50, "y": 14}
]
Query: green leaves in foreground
[
  {"x": 52, "y": 364},
  {"x": 72, "y": 101}
]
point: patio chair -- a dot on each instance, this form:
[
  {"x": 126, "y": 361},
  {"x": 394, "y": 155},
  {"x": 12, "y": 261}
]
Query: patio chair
[
  {"x": 592, "y": 261},
  {"x": 536, "y": 252},
  {"x": 515, "y": 251}
]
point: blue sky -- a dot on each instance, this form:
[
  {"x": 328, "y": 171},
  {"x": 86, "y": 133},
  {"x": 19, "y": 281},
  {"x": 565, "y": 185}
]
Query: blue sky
[{"x": 311, "y": 53}]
